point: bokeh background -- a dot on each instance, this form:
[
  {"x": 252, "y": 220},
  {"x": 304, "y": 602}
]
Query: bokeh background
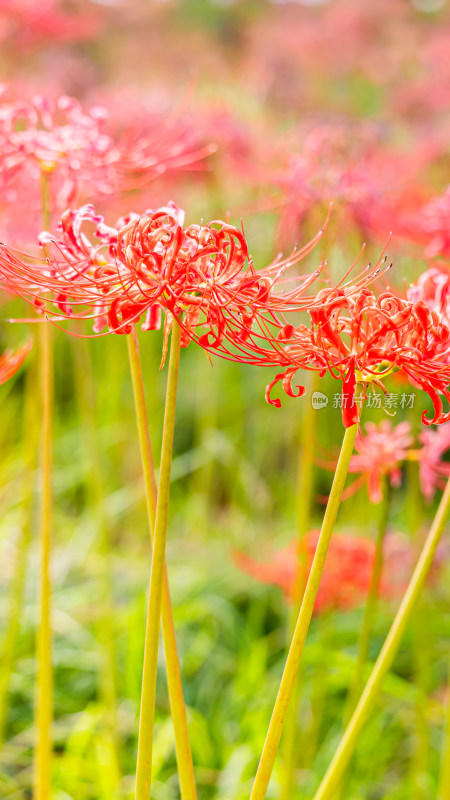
[{"x": 305, "y": 103}]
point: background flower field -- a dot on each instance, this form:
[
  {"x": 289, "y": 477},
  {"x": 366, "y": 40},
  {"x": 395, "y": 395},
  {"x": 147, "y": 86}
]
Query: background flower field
[{"x": 290, "y": 107}]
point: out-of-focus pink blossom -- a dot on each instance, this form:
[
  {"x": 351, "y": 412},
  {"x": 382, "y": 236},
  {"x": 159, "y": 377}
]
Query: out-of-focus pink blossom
[
  {"x": 79, "y": 151},
  {"x": 381, "y": 451},
  {"x": 26, "y": 24},
  {"x": 433, "y": 470}
]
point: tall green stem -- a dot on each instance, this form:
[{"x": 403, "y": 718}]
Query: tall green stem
[
  {"x": 371, "y": 605},
  {"x": 293, "y": 660},
  {"x": 86, "y": 401},
  {"x": 177, "y": 706},
  {"x": 42, "y": 774},
  {"x": 304, "y": 505},
  {"x": 148, "y": 696},
  {"x": 30, "y": 439},
  {"x": 421, "y": 651},
  {"x": 44, "y": 698},
  {"x": 444, "y": 777},
  {"x": 387, "y": 654}
]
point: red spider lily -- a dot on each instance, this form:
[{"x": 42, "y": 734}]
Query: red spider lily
[
  {"x": 360, "y": 338},
  {"x": 202, "y": 275},
  {"x": 433, "y": 287},
  {"x": 27, "y": 24},
  {"x": 433, "y": 470},
  {"x": 380, "y": 451},
  {"x": 347, "y": 571},
  {"x": 343, "y": 163},
  {"x": 12, "y": 360},
  {"x": 77, "y": 149},
  {"x": 421, "y": 220}
]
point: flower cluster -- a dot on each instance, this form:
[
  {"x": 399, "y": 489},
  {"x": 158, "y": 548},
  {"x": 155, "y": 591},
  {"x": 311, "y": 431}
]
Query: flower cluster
[
  {"x": 201, "y": 275},
  {"x": 76, "y": 148},
  {"x": 359, "y": 337}
]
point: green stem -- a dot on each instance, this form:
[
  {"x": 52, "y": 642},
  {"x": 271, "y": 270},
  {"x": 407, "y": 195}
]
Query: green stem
[
  {"x": 422, "y": 646},
  {"x": 444, "y": 777},
  {"x": 30, "y": 441},
  {"x": 42, "y": 773},
  {"x": 177, "y": 706},
  {"x": 293, "y": 660},
  {"x": 304, "y": 506},
  {"x": 148, "y": 696},
  {"x": 318, "y": 692},
  {"x": 370, "y": 607},
  {"x": 86, "y": 401},
  {"x": 387, "y": 654}
]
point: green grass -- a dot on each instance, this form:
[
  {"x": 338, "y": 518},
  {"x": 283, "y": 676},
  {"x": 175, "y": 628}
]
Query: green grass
[{"x": 233, "y": 480}]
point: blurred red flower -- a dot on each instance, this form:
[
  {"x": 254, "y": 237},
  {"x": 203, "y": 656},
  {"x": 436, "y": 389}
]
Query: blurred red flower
[
  {"x": 433, "y": 470},
  {"x": 12, "y": 360},
  {"x": 347, "y": 572},
  {"x": 78, "y": 149}
]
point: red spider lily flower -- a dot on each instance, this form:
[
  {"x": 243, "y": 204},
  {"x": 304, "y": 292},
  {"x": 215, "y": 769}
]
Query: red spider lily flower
[
  {"x": 59, "y": 139},
  {"x": 29, "y": 24},
  {"x": 201, "y": 275},
  {"x": 77, "y": 149},
  {"x": 431, "y": 225},
  {"x": 360, "y": 338},
  {"x": 340, "y": 163},
  {"x": 433, "y": 287},
  {"x": 422, "y": 220},
  {"x": 347, "y": 573},
  {"x": 433, "y": 470},
  {"x": 381, "y": 451},
  {"x": 12, "y": 360}
]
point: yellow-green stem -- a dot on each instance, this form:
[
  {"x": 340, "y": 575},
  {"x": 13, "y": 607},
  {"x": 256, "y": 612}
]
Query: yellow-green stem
[
  {"x": 444, "y": 777},
  {"x": 86, "y": 401},
  {"x": 311, "y": 735},
  {"x": 30, "y": 441},
  {"x": 370, "y": 607},
  {"x": 176, "y": 699},
  {"x": 288, "y": 680},
  {"x": 421, "y": 647},
  {"x": 42, "y": 770},
  {"x": 348, "y": 743},
  {"x": 304, "y": 504},
  {"x": 148, "y": 694}
]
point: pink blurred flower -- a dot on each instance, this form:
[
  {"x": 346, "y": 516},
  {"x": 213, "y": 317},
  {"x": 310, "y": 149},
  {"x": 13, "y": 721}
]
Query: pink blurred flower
[
  {"x": 433, "y": 470},
  {"x": 81, "y": 151},
  {"x": 380, "y": 452},
  {"x": 340, "y": 162},
  {"x": 26, "y": 24}
]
